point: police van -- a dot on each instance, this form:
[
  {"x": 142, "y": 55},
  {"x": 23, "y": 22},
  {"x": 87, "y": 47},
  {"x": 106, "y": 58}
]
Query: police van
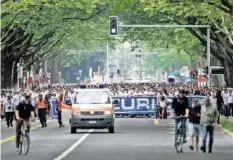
[{"x": 92, "y": 107}]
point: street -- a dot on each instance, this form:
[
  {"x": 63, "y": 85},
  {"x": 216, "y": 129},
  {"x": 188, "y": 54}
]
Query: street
[{"x": 135, "y": 139}]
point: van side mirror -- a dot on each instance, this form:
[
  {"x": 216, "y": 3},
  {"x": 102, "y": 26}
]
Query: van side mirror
[{"x": 115, "y": 102}]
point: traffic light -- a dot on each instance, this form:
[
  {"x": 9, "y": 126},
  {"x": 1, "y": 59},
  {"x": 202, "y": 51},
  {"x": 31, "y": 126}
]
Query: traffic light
[
  {"x": 118, "y": 71},
  {"x": 206, "y": 70},
  {"x": 113, "y": 28}
]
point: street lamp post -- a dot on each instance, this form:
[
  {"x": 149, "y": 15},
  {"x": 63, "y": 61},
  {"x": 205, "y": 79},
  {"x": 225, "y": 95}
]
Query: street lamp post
[
  {"x": 80, "y": 75},
  {"x": 140, "y": 64}
]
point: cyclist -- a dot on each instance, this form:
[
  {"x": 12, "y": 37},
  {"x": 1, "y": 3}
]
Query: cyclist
[
  {"x": 23, "y": 112},
  {"x": 180, "y": 107}
]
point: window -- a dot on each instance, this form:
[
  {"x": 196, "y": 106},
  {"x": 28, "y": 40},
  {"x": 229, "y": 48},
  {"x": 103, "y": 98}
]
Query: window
[{"x": 92, "y": 97}]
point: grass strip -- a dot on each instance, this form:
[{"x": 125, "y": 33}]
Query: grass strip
[{"x": 227, "y": 124}]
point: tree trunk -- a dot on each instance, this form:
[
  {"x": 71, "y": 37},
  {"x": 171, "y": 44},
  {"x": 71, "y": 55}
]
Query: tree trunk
[
  {"x": 12, "y": 74},
  {"x": 193, "y": 64},
  {"x": 6, "y": 70},
  {"x": 54, "y": 70},
  {"x": 228, "y": 75}
]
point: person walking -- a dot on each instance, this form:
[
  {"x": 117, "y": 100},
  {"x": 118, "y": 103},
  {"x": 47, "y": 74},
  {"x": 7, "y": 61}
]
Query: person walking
[
  {"x": 225, "y": 96},
  {"x": 9, "y": 110},
  {"x": 163, "y": 105},
  {"x": 230, "y": 103},
  {"x": 213, "y": 99},
  {"x": 59, "y": 110},
  {"x": 194, "y": 123},
  {"x": 219, "y": 104},
  {"x": 42, "y": 108},
  {"x": 209, "y": 118}
]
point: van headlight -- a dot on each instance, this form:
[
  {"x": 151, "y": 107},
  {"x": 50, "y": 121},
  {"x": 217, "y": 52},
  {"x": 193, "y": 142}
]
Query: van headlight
[{"x": 108, "y": 112}]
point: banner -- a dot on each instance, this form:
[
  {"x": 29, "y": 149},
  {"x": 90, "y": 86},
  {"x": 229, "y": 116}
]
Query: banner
[
  {"x": 136, "y": 104},
  {"x": 53, "y": 107},
  {"x": 131, "y": 104},
  {"x": 145, "y": 104}
]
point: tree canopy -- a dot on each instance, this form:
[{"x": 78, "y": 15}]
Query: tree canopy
[{"x": 33, "y": 31}]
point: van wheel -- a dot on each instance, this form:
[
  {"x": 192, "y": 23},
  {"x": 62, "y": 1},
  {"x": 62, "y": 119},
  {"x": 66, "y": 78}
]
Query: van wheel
[
  {"x": 73, "y": 130},
  {"x": 111, "y": 129}
]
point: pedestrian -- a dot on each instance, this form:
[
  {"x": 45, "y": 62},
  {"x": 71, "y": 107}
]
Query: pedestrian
[
  {"x": 225, "y": 97},
  {"x": 16, "y": 98},
  {"x": 219, "y": 104},
  {"x": 209, "y": 118},
  {"x": 194, "y": 123},
  {"x": 42, "y": 109},
  {"x": 59, "y": 110},
  {"x": 2, "y": 100},
  {"x": 213, "y": 99},
  {"x": 9, "y": 110},
  {"x": 163, "y": 105},
  {"x": 230, "y": 103}
]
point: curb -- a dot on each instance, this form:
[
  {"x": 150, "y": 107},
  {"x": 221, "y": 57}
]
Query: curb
[{"x": 227, "y": 132}]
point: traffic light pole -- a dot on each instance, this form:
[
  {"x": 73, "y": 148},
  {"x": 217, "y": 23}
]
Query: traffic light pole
[
  {"x": 107, "y": 62},
  {"x": 208, "y": 56}
]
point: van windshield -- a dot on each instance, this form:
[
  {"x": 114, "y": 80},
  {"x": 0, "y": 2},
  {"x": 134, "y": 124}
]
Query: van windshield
[{"x": 92, "y": 97}]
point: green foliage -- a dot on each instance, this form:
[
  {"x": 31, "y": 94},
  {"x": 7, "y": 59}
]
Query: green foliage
[
  {"x": 163, "y": 60},
  {"x": 227, "y": 124}
]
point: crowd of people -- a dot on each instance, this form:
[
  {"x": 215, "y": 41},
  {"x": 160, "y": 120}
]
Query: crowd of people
[
  {"x": 219, "y": 100},
  {"x": 223, "y": 96}
]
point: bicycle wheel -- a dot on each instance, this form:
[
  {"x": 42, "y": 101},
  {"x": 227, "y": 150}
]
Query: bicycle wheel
[
  {"x": 178, "y": 141},
  {"x": 20, "y": 144},
  {"x": 26, "y": 143}
]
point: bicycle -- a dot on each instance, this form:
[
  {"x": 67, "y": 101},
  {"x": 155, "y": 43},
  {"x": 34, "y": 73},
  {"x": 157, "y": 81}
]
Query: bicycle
[
  {"x": 179, "y": 137},
  {"x": 24, "y": 139}
]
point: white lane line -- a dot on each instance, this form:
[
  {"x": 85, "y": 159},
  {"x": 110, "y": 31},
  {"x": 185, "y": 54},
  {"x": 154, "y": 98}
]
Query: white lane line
[{"x": 65, "y": 153}]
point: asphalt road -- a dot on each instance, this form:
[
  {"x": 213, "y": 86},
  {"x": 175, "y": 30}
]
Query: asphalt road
[{"x": 135, "y": 139}]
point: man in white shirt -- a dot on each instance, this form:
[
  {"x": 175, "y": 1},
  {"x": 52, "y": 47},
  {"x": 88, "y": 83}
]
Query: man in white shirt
[
  {"x": 16, "y": 98},
  {"x": 2, "y": 100},
  {"x": 8, "y": 105},
  {"x": 230, "y": 103},
  {"x": 22, "y": 96},
  {"x": 213, "y": 99},
  {"x": 225, "y": 96}
]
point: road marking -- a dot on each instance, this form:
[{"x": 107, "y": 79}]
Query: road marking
[
  {"x": 13, "y": 137},
  {"x": 76, "y": 144},
  {"x": 156, "y": 121}
]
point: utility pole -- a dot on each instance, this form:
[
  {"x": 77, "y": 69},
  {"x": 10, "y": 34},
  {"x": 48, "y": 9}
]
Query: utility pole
[
  {"x": 107, "y": 64},
  {"x": 208, "y": 57}
]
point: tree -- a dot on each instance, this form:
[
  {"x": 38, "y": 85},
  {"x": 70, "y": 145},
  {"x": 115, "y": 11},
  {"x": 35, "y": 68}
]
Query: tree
[
  {"x": 201, "y": 12},
  {"x": 216, "y": 13},
  {"x": 32, "y": 29}
]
